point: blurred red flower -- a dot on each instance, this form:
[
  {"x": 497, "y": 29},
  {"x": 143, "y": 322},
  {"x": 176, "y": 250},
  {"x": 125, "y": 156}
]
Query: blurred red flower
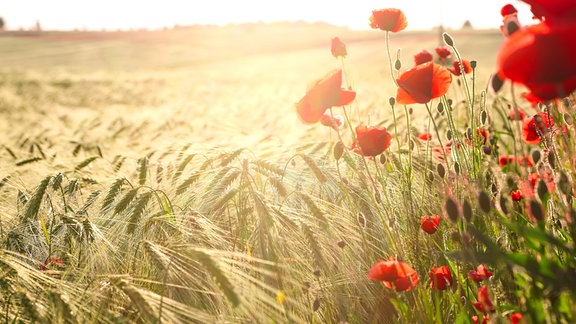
[
  {"x": 525, "y": 161},
  {"x": 508, "y": 9},
  {"x": 525, "y": 57},
  {"x": 440, "y": 278},
  {"x": 456, "y": 70},
  {"x": 485, "y": 319},
  {"x": 423, "y": 57},
  {"x": 484, "y": 304},
  {"x": 323, "y": 94},
  {"x": 338, "y": 48},
  {"x": 504, "y": 160},
  {"x": 395, "y": 274},
  {"x": 389, "y": 19},
  {"x": 516, "y": 114},
  {"x": 425, "y": 136},
  {"x": 516, "y": 195},
  {"x": 481, "y": 273},
  {"x": 537, "y": 126},
  {"x": 443, "y": 52},
  {"x": 555, "y": 11},
  {"x": 429, "y": 224},
  {"x": 423, "y": 83},
  {"x": 516, "y": 318},
  {"x": 335, "y": 121},
  {"x": 372, "y": 140}
]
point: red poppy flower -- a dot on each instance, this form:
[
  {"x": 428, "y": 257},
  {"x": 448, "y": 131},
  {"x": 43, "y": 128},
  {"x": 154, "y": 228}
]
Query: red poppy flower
[
  {"x": 508, "y": 9},
  {"x": 395, "y": 274},
  {"x": 481, "y": 273},
  {"x": 531, "y": 98},
  {"x": 423, "y": 57},
  {"x": 536, "y": 127},
  {"x": 455, "y": 69},
  {"x": 485, "y": 319},
  {"x": 553, "y": 10},
  {"x": 516, "y": 114},
  {"x": 516, "y": 318},
  {"x": 423, "y": 83},
  {"x": 429, "y": 224},
  {"x": 525, "y": 57},
  {"x": 516, "y": 195},
  {"x": 504, "y": 160},
  {"x": 338, "y": 48},
  {"x": 389, "y": 19},
  {"x": 425, "y": 136},
  {"x": 372, "y": 140},
  {"x": 443, "y": 52},
  {"x": 525, "y": 161},
  {"x": 336, "y": 121},
  {"x": 440, "y": 278},
  {"x": 323, "y": 94},
  {"x": 484, "y": 304},
  {"x": 510, "y": 25}
]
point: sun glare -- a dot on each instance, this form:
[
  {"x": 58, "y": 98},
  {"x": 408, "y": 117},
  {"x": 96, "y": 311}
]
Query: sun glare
[{"x": 130, "y": 14}]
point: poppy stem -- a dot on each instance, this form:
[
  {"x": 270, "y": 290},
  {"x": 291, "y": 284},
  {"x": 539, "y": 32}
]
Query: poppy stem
[
  {"x": 437, "y": 132},
  {"x": 390, "y": 58},
  {"x": 469, "y": 97}
]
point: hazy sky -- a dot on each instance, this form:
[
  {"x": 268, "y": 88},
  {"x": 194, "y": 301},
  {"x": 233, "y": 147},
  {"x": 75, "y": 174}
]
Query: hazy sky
[{"x": 125, "y": 14}]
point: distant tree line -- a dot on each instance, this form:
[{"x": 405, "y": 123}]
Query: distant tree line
[{"x": 2, "y": 23}]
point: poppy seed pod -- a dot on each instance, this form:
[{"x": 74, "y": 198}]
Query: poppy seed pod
[{"x": 448, "y": 39}]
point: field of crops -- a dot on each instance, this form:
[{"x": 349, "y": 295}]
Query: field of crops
[{"x": 166, "y": 177}]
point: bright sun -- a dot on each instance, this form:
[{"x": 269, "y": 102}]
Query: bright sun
[{"x": 127, "y": 14}]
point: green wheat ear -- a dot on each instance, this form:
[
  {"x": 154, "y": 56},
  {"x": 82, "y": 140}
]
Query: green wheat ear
[
  {"x": 314, "y": 167},
  {"x": 111, "y": 195},
  {"x": 138, "y": 211},
  {"x": 33, "y": 204},
  {"x": 223, "y": 282}
]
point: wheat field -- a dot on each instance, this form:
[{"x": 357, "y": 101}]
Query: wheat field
[{"x": 165, "y": 177}]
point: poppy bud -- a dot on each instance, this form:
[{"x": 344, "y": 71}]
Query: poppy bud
[
  {"x": 473, "y": 64},
  {"x": 338, "y": 150},
  {"x": 449, "y": 134},
  {"x": 398, "y": 65},
  {"x": 552, "y": 160},
  {"x": 448, "y": 39},
  {"x": 504, "y": 204},
  {"x": 564, "y": 183},
  {"x": 484, "y": 201},
  {"x": 483, "y": 117},
  {"x": 441, "y": 170},
  {"x": 487, "y": 150},
  {"x": 496, "y": 83},
  {"x": 542, "y": 190},
  {"x": 457, "y": 167},
  {"x": 536, "y": 210},
  {"x": 410, "y": 110},
  {"x": 392, "y": 101},
  {"x": 383, "y": 159},
  {"x": 450, "y": 101},
  {"x": 430, "y": 176},
  {"x": 467, "y": 210},
  {"x": 440, "y": 107},
  {"x": 536, "y": 155},
  {"x": 451, "y": 208},
  {"x": 341, "y": 244}
]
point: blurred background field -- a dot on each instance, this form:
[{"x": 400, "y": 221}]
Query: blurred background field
[
  {"x": 212, "y": 86},
  {"x": 168, "y": 173}
]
